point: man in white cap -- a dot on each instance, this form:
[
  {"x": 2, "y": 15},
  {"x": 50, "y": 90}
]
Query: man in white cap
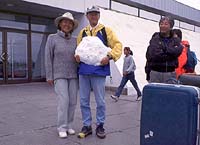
[
  {"x": 93, "y": 77},
  {"x": 61, "y": 71}
]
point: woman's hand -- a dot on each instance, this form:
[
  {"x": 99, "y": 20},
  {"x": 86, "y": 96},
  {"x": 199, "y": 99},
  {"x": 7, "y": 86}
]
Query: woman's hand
[{"x": 77, "y": 57}]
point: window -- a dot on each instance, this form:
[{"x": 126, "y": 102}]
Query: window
[
  {"x": 186, "y": 26},
  {"x": 176, "y": 23},
  {"x": 124, "y": 8},
  {"x": 149, "y": 15},
  {"x": 14, "y": 21},
  {"x": 38, "y": 50},
  {"x": 42, "y": 25},
  {"x": 197, "y": 29},
  {"x": 17, "y": 56}
]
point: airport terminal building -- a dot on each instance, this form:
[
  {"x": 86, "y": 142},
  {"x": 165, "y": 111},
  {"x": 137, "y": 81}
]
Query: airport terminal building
[{"x": 26, "y": 24}]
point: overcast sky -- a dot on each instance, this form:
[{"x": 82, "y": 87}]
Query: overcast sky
[{"x": 192, "y": 3}]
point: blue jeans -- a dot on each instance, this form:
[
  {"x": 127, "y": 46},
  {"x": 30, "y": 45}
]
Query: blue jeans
[
  {"x": 97, "y": 84},
  {"x": 131, "y": 77}
]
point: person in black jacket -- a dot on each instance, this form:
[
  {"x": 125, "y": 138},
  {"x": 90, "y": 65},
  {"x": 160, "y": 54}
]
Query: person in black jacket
[{"x": 162, "y": 53}]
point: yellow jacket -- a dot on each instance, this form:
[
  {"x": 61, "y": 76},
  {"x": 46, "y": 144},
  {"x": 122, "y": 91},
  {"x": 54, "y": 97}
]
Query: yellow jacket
[{"x": 112, "y": 39}]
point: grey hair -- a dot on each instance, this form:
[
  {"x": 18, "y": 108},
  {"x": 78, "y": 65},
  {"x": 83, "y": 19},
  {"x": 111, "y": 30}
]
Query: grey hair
[{"x": 169, "y": 19}]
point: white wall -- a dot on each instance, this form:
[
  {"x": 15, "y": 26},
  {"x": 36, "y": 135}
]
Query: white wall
[
  {"x": 101, "y": 3},
  {"x": 77, "y": 5},
  {"x": 124, "y": 8},
  {"x": 74, "y": 5},
  {"x": 136, "y": 33}
]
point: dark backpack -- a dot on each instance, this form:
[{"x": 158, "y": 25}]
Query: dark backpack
[
  {"x": 101, "y": 34},
  {"x": 191, "y": 61}
]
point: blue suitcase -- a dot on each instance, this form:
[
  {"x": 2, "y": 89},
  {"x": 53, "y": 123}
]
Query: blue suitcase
[{"x": 169, "y": 115}]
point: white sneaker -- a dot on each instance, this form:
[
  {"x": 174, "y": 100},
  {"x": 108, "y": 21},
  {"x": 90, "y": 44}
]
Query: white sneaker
[
  {"x": 116, "y": 98},
  {"x": 62, "y": 134},
  {"x": 71, "y": 131}
]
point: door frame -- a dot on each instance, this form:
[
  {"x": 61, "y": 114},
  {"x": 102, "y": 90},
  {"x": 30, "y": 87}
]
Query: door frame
[
  {"x": 3, "y": 61},
  {"x": 4, "y": 50}
]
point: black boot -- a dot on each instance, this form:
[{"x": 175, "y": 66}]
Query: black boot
[
  {"x": 100, "y": 131},
  {"x": 85, "y": 131}
]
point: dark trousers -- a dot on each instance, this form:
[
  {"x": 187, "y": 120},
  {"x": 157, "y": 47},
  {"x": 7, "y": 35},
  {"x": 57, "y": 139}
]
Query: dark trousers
[{"x": 131, "y": 77}]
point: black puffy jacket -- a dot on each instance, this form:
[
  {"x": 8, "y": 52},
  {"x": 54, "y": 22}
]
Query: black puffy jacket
[{"x": 162, "y": 53}]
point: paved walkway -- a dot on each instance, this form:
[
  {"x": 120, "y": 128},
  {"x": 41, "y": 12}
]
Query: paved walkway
[{"x": 28, "y": 117}]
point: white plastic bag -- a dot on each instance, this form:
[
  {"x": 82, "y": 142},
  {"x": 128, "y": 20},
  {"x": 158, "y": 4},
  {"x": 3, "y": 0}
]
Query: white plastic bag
[{"x": 92, "y": 50}]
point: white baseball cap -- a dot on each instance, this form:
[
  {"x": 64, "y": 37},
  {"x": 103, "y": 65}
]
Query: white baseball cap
[{"x": 93, "y": 9}]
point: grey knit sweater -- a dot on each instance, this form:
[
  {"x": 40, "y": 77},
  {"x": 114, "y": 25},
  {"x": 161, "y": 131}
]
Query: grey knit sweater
[
  {"x": 59, "y": 57},
  {"x": 129, "y": 64}
]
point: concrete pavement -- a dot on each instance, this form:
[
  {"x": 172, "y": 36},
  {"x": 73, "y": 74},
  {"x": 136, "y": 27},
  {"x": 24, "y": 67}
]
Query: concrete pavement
[{"x": 28, "y": 117}]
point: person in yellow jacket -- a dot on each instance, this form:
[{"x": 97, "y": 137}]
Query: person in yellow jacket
[{"x": 93, "y": 77}]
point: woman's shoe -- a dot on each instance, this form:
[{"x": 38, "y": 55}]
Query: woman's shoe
[
  {"x": 71, "y": 131},
  {"x": 62, "y": 134},
  {"x": 116, "y": 98}
]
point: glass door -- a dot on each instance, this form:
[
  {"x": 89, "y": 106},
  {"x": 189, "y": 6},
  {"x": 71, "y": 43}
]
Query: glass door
[{"x": 17, "y": 56}]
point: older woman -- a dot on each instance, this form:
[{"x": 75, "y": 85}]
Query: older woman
[
  {"x": 162, "y": 53},
  {"x": 61, "y": 71}
]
